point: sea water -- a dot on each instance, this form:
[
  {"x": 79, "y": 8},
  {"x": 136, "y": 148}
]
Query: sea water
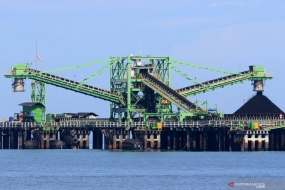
[{"x": 111, "y": 169}]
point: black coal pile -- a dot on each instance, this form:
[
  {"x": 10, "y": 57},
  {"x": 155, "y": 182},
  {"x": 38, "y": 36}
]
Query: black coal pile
[{"x": 259, "y": 104}]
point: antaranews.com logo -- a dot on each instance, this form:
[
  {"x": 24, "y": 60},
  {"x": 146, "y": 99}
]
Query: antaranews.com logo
[
  {"x": 247, "y": 184},
  {"x": 263, "y": 184}
]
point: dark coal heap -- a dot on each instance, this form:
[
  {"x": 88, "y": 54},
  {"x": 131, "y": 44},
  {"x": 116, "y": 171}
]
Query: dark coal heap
[{"x": 259, "y": 104}]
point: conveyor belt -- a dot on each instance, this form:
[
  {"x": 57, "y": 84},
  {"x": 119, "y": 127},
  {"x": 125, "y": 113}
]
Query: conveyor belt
[
  {"x": 168, "y": 93},
  {"x": 73, "y": 85},
  {"x": 213, "y": 84}
]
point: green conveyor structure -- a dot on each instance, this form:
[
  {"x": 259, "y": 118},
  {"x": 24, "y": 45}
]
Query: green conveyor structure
[
  {"x": 64, "y": 83},
  {"x": 222, "y": 82},
  {"x": 168, "y": 93},
  {"x": 139, "y": 86}
]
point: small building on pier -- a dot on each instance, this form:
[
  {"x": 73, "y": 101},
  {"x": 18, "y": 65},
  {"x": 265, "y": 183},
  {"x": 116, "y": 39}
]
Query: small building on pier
[{"x": 32, "y": 112}]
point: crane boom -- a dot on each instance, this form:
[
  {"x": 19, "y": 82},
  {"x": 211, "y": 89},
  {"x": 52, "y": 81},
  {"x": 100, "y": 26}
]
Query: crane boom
[
  {"x": 76, "y": 66},
  {"x": 255, "y": 73},
  {"x": 204, "y": 67},
  {"x": 22, "y": 71}
]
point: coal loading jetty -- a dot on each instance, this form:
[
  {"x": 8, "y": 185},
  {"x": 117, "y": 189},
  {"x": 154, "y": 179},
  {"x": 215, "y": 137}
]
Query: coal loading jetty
[
  {"x": 145, "y": 111},
  {"x": 240, "y": 131}
]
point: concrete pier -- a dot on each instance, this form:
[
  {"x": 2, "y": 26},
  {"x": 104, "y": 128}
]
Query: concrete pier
[
  {"x": 0, "y": 139},
  {"x": 258, "y": 140},
  {"x": 46, "y": 138},
  {"x": 176, "y": 137},
  {"x": 6, "y": 139},
  {"x": 152, "y": 140}
]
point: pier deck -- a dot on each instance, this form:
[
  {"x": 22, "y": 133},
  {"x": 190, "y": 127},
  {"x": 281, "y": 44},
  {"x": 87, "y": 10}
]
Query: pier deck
[{"x": 212, "y": 135}]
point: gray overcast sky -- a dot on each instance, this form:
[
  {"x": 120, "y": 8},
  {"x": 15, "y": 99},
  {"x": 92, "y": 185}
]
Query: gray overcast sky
[{"x": 229, "y": 35}]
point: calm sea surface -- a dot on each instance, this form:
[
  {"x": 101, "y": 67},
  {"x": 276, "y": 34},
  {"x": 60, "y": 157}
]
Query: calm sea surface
[{"x": 105, "y": 169}]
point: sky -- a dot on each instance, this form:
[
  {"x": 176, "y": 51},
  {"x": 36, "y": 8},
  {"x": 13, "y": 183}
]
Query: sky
[{"x": 227, "y": 35}]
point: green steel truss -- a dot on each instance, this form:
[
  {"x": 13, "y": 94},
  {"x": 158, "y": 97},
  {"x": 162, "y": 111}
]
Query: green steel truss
[
  {"x": 47, "y": 78},
  {"x": 141, "y": 98},
  {"x": 254, "y": 73},
  {"x": 139, "y": 86},
  {"x": 38, "y": 94}
]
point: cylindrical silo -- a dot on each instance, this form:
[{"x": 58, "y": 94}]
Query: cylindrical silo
[
  {"x": 18, "y": 85},
  {"x": 258, "y": 85}
]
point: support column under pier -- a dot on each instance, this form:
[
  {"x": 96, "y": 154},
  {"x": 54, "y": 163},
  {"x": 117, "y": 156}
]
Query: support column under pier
[
  {"x": 193, "y": 141},
  {"x": 245, "y": 142},
  {"x": 13, "y": 140},
  {"x": 235, "y": 142},
  {"x": 279, "y": 139},
  {"x": 259, "y": 142},
  {"x": 97, "y": 139},
  {"x": 145, "y": 144},
  {"x": 201, "y": 148},
  {"x": 168, "y": 139},
  {"x": 0, "y": 139},
  {"x": 46, "y": 138},
  {"x": 83, "y": 140},
  {"x": 219, "y": 140},
  {"x": 174, "y": 140},
  {"x": 282, "y": 133},
  {"x": 158, "y": 144},
  {"x": 189, "y": 139},
  {"x": 241, "y": 139},
  {"x": 6, "y": 137},
  {"x": 115, "y": 141},
  {"x": 21, "y": 139},
  {"x": 205, "y": 141},
  {"x": 151, "y": 141},
  {"x": 266, "y": 145},
  {"x": 223, "y": 140},
  {"x": 276, "y": 140},
  {"x": 271, "y": 141},
  {"x": 253, "y": 144},
  {"x": 194, "y": 136},
  {"x": 228, "y": 142}
]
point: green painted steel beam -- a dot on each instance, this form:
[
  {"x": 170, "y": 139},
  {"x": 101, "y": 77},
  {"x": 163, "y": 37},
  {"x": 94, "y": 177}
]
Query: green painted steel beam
[
  {"x": 76, "y": 66},
  {"x": 183, "y": 74},
  {"x": 65, "y": 83},
  {"x": 142, "y": 58},
  {"x": 95, "y": 74},
  {"x": 255, "y": 73},
  {"x": 203, "y": 67}
]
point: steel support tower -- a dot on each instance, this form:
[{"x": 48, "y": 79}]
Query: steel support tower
[{"x": 140, "y": 99}]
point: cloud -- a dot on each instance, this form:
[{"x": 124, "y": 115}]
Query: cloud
[
  {"x": 253, "y": 42},
  {"x": 234, "y": 48},
  {"x": 227, "y": 3}
]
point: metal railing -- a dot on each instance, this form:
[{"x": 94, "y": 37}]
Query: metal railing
[
  {"x": 168, "y": 124},
  {"x": 7, "y": 72}
]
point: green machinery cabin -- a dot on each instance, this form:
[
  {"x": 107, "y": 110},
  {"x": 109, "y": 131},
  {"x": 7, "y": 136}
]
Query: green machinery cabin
[{"x": 32, "y": 112}]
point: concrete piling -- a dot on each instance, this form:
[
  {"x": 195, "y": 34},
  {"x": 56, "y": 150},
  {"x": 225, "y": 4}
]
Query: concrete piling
[
  {"x": 1, "y": 139},
  {"x": 174, "y": 138},
  {"x": 13, "y": 140},
  {"x": 6, "y": 139}
]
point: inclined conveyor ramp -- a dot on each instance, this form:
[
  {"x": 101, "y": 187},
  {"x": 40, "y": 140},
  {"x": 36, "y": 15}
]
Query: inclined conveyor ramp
[
  {"x": 74, "y": 86},
  {"x": 213, "y": 84},
  {"x": 168, "y": 93}
]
